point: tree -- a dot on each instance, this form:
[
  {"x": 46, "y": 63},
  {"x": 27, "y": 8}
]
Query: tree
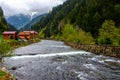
[
  {"x": 109, "y": 33},
  {"x": 79, "y": 36},
  {"x": 69, "y": 33},
  {"x": 3, "y": 23},
  {"x": 89, "y": 15},
  {"x": 84, "y": 38},
  {"x": 41, "y": 34}
]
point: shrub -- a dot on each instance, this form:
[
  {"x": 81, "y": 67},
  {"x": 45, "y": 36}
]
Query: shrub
[
  {"x": 109, "y": 34},
  {"x": 69, "y": 33},
  {"x": 7, "y": 45},
  {"x": 85, "y": 38},
  {"x": 41, "y": 33},
  {"x": 72, "y": 35}
]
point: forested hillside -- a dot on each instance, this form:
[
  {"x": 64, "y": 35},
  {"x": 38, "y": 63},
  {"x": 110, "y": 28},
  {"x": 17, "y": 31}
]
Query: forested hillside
[
  {"x": 94, "y": 17},
  {"x": 3, "y": 23}
]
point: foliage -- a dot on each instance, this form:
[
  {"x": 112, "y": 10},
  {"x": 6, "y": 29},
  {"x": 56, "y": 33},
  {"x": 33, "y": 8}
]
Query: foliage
[
  {"x": 109, "y": 33},
  {"x": 41, "y": 33},
  {"x": 5, "y": 76},
  {"x": 84, "y": 38},
  {"x": 72, "y": 35},
  {"x": 6, "y": 46},
  {"x": 87, "y": 15},
  {"x": 2, "y": 73},
  {"x": 3, "y": 23},
  {"x": 69, "y": 33},
  {"x": 1, "y": 38},
  {"x": 57, "y": 37}
]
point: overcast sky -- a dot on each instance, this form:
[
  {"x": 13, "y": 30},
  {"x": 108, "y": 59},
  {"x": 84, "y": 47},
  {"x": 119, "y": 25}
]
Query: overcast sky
[{"x": 12, "y": 7}]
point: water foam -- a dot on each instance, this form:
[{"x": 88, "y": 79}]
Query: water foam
[
  {"x": 90, "y": 66},
  {"x": 82, "y": 75},
  {"x": 52, "y": 54}
]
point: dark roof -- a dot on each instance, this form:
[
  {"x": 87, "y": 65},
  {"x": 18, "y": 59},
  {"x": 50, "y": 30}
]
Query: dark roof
[{"x": 9, "y": 32}]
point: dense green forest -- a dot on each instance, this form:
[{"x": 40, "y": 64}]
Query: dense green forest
[
  {"x": 94, "y": 20},
  {"x": 3, "y": 23}
]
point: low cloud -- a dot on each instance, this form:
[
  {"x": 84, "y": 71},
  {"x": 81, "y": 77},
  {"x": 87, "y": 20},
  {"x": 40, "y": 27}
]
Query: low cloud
[{"x": 13, "y": 7}]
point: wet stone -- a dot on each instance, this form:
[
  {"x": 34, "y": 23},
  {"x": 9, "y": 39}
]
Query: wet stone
[{"x": 14, "y": 68}]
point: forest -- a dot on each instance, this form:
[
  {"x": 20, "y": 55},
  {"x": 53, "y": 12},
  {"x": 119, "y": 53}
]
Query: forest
[
  {"x": 98, "y": 19},
  {"x": 3, "y": 23}
]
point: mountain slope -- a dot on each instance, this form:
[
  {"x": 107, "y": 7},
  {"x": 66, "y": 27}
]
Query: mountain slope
[
  {"x": 86, "y": 14},
  {"x": 32, "y": 22},
  {"x": 11, "y": 28},
  {"x": 18, "y": 20},
  {"x": 3, "y": 23}
]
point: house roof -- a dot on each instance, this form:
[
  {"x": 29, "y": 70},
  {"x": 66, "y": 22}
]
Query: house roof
[
  {"x": 36, "y": 32},
  {"x": 9, "y": 32},
  {"x": 32, "y": 32},
  {"x": 24, "y": 33}
]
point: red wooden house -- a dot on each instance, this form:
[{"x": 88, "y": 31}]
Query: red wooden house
[
  {"x": 9, "y": 35},
  {"x": 33, "y": 34},
  {"x": 24, "y": 35}
]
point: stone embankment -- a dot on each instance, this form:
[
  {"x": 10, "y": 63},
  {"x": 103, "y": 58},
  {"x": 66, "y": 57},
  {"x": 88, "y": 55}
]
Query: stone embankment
[{"x": 113, "y": 51}]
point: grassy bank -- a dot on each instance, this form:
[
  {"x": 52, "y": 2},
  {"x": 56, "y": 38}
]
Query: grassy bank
[
  {"x": 6, "y": 47},
  {"x": 5, "y": 75}
]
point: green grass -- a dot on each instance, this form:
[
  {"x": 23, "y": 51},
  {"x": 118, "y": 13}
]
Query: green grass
[
  {"x": 6, "y": 76},
  {"x": 2, "y": 73},
  {"x": 6, "y": 47},
  {"x": 1, "y": 38}
]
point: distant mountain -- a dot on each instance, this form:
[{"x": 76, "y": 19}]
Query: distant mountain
[
  {"x": 11, "y": 28},
  {"x": 18, "y": 20},
  {"x": 32, "y": 22},
  {"x": 3, "y": 22}
]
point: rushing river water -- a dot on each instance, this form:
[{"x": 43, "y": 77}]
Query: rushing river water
[{"x": 52, "y": 60}]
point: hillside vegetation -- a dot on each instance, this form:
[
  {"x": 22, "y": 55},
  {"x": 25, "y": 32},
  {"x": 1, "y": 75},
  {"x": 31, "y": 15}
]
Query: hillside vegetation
[
  {"x": 98, "y": 20},
  {"x": 5, "y": 45},
  {"x": 3, "y": 23}
]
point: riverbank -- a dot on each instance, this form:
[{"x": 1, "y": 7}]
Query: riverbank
[
  {"x": 5, "y": 74},
  {"x": 6, "y": 50},
  {"x": 113, "y": 51}
]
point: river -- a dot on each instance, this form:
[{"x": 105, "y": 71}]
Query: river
[{"x": 53, "y": 60}]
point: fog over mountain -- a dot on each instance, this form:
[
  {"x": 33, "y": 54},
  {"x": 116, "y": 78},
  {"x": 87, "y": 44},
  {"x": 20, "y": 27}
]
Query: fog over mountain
[
  {"x": 28, "y": 7},
  {"x": 20, "y": 12}
]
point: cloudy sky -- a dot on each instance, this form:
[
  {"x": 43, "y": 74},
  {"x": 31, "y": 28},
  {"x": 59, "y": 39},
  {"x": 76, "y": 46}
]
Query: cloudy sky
[{"x": 12, "y": 7}]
